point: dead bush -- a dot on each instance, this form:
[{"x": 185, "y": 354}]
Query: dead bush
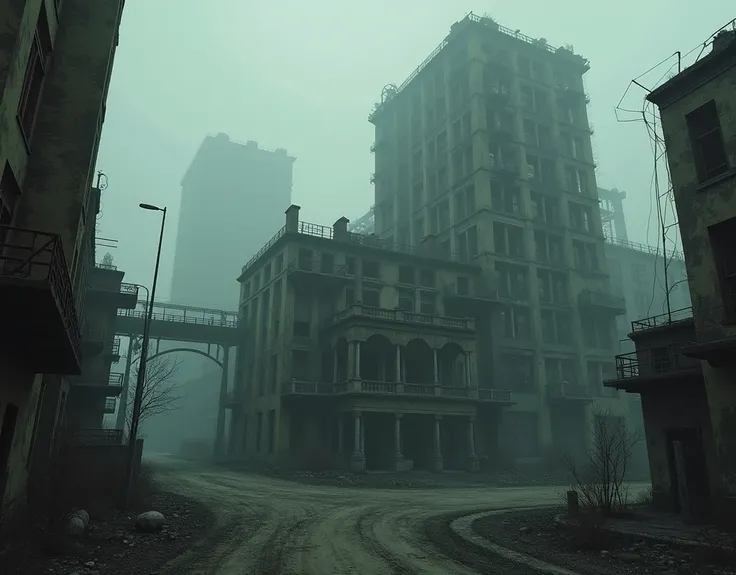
[
  {"x": 645, "y": 497},
  {"x": 599, "y": 477}
]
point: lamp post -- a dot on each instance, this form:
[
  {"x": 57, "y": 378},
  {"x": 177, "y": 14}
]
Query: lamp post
[
  {"x": 140, "y": 380},
  {"x": 123, "y": 406}
]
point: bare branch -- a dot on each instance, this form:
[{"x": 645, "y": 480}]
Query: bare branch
[
  {"x": 160, "y": 389},
  {"x": 599, "y": 479}
]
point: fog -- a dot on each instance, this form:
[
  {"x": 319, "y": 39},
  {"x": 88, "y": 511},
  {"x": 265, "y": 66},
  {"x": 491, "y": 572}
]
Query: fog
[{"x": 304, "y": 77}]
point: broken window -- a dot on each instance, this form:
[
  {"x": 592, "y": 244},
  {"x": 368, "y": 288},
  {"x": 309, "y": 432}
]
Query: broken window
[
  {"x": 722, "y": 239},
  {"x": 512, "y": 281},
  {"x": 517, "y": 324},
  {"x": 505, "y": 199},
  {"x": 706, "y": 140},
  {"x": 586, "y": 255},
  {"x": 552, "y": 287},
  {"x": 581, "y": 217},
  {"x": 406, "y": 299},
  {"x": 371, "y": 295},
  {"x": 427, "y": 302}
]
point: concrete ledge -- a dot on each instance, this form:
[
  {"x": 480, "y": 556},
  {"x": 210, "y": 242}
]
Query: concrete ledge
[{"x": 462, "y": 527}]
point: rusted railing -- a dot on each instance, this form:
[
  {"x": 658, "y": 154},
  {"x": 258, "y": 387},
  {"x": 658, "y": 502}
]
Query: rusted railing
[
  {"x": 359, "y": 310},
  {"x": 654, "y": 361},
  {"x": 589, "y": 297},
  {"x": 38, "y": 257},
  {"x": 662, "y": 319},
  {"x": 228, "y": 321}
]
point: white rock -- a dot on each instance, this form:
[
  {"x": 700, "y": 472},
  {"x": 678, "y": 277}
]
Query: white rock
[
  {"x": 150, "y": 521},
  {"x": 81, "y": 514}
]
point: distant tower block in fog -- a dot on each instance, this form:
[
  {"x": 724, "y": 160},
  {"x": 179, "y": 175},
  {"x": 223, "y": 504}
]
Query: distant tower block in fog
[{"x": 233, "y": 197}]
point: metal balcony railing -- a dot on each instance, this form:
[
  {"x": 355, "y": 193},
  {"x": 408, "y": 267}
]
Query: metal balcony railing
[
  {"x": 110, "y": 267},
  {"x": 111, "y": 404},
  {"x": 37, "y": 257},
  {"x": 312, "y": 388},
  {"x": 115, "y": 350},
  {"x": 652, "y": 362},
  {"x": 662, "y": 319},
  {"x": 359, "y": 310}
]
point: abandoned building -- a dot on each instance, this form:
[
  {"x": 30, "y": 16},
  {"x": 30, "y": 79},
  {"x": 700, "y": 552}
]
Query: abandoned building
[
  {"x": 52, "y": 107},
  {"x": 364, "y": 353},
  {"x": 487, "y": 145},
  {"x": 683, "y": 366}
]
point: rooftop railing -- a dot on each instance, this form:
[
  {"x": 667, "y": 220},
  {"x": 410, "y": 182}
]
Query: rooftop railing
[
  {"x": 661, "y": 319},
  {"x": 646, "y": 248}
]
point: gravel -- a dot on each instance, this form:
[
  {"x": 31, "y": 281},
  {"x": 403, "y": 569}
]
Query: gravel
[
  {"x": 112, "y": 544},
  {"x": 535, "y": 533}
]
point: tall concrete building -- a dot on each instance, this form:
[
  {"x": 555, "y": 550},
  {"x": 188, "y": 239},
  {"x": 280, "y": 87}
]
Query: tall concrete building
[
  {"x": 486, "y": 149},
  {"x": 55, "y": 64},
  {"x": 683, "y": 366},
  {"x": 232, "y": 198}
]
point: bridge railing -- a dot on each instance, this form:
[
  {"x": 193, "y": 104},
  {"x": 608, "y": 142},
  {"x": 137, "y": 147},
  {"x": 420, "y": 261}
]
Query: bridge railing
[{"x": 227, "y": 321}]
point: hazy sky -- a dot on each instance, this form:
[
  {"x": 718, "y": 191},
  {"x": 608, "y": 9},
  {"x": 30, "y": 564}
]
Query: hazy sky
[{"x": 304, "y": 76}]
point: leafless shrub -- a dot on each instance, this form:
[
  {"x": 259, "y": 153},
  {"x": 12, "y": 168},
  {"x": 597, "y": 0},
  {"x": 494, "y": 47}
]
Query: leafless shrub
[
  {"x": 645, "y": 497},
  {"x": 160, "y": 390},
  {"x": 599, "y": 478}
]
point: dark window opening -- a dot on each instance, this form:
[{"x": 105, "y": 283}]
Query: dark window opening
[
  {"x": 36, "y": 68},
  {"x": 707, "y": 141}
]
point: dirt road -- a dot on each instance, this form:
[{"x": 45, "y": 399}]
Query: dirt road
[{"x": 273, "y": 527}]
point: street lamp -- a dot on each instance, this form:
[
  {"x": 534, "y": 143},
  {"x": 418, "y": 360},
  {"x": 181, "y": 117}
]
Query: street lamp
[{"x": 140, "y": 380}]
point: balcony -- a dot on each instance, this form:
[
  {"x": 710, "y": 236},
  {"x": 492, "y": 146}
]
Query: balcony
[
  {"x": 40, "y": 329},
  {"x": 677, "y": 316},
  {"x": 105, "y": 284},
  {"x": 321, "y": 272},
  {"x": 365, "y": 313},
  {"x": 567, "y": 391},
  {"x": 393, "y": 389},
  {"x": 107, "y": 387},
  {"x": 111, "y": 404},
  {"x": 600, "y": 301},
  {"x": 115, "y": 350},
  {"x": 665, "y": 365}
]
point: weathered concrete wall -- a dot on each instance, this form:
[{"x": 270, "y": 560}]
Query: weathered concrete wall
[
  {"x": 700, "y": 206},
  {"x": 687, "y": 407}
]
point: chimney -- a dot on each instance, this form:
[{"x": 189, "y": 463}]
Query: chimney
[
  {"x": 723, "y": 39},
  {"x": 340, "y": 229},
  {"x": 292, "y": 218}
]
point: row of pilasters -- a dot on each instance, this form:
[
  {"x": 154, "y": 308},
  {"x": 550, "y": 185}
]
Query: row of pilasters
[{"x": 357, "y": 458}]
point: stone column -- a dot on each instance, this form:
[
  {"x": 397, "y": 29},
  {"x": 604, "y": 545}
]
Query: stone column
[
  {"x": 398, "y": 364},
  {"x": 334, "y": 367},
  {"x": 436, "y": 367},
  {"x": 362, "y": 436},
  {"x": 467, "y": 369},
  {"x": 357, "y": 459},
  {"x": 473, "y": 463},
  {"x": 357, "y": 359},
  {"x": 438, "y": 462},
  {"x": 397, "y": 435}
]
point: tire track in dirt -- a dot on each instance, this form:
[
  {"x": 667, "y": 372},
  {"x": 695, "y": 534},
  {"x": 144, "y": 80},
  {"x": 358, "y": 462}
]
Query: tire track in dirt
[
  {"x": 367, "y": 537},
  {"x": 274, "y": 554}
]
